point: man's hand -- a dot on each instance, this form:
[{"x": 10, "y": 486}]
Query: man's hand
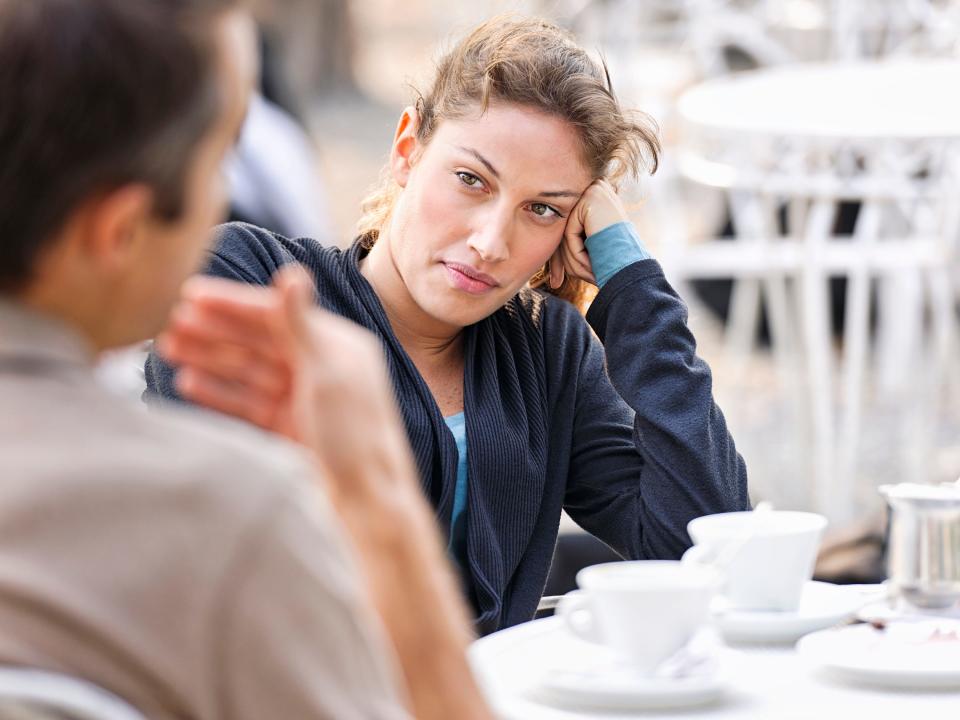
[{"x": 269, "y": 355}]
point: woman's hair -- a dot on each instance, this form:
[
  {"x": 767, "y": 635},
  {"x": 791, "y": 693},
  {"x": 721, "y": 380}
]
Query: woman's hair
[{"x": 529, "y": 62}]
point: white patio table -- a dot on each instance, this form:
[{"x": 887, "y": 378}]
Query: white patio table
[
  {"x": 765, "y": 682},
  {"x": 789, "y": 146}
]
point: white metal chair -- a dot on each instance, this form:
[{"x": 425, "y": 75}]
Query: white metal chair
[{"x": 29, "y": 694}]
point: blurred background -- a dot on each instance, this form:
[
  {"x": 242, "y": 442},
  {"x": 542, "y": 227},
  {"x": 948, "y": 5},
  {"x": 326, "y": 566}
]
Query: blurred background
[{"x": 806, "y": 206}]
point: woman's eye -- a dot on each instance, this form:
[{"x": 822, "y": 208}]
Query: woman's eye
[
  {"x": 469, "y": 179},
  {"x": 543, "y": 210}
]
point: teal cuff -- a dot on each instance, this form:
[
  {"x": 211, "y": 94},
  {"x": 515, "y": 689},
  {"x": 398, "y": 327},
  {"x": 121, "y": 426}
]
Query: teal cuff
[{"x": 613, "y": 248}]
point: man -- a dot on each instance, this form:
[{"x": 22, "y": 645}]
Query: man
[{"x": 196, "y": 568}]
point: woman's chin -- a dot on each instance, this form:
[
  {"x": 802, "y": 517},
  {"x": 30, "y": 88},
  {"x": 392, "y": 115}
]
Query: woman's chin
[{"x": 459, "y": 312}]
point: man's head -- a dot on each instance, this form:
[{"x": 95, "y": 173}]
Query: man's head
[{"x": 115, "y": 118}]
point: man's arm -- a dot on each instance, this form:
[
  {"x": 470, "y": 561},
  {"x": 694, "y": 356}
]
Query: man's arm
[
  {"x": 269, "y": 356},
  {"x": 296, "y": 635}
]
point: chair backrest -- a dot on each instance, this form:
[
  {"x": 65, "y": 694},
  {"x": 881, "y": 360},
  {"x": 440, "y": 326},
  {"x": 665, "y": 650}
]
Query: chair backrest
[
  {"x": 28, "y": 694},
  {"x": 17, "y": 710}
]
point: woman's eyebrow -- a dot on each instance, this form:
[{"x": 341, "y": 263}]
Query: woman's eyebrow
[
  {"x": 481, "y": 158},
  {"x": 493, "y": 171}
]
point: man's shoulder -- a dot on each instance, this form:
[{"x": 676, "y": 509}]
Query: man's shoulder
[
  {"x": 217, "y": 453},
  {"x": 170, "y": 457},
  {"x": 180, "y": 481}
]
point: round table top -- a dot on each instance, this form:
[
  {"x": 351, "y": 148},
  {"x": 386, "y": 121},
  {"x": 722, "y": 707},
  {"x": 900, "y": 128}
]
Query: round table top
[
  {"x": 761, "y": 682},
  {"x": 894, "y": 99}
]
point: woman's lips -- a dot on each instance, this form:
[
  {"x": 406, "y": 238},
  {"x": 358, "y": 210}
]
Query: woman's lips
[{"x": 464, "y": 277}]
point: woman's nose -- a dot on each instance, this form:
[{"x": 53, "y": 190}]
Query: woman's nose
[{"x": 491, "y": 237}]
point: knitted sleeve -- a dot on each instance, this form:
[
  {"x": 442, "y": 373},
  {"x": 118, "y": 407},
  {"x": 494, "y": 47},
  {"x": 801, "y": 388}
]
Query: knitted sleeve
[{"x": 651, "y": 448}]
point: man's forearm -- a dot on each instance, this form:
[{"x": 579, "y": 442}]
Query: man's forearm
[{"x": 415, "y": 593}]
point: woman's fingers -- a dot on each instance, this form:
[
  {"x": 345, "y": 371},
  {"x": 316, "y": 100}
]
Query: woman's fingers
[
  {"x": 577, "y": 260},
  {"x": 567, "y": 261},
  {"x": 598, "y": 207},
  {"x": 602, "y": 207},
  {"x": 572, "y": 253},
  {"x": 556, "y": 267},
  {"x": 574, "y": 228}
]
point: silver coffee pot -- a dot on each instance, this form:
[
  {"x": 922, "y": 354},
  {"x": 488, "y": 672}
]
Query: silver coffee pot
[{"x": 923, "y": 552}]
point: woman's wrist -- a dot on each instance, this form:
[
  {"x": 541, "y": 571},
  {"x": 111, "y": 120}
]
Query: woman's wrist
[{"x": 614, "y": 248}]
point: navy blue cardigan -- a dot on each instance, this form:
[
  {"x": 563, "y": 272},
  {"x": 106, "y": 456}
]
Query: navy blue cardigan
[{"x": 621, "y": 431}]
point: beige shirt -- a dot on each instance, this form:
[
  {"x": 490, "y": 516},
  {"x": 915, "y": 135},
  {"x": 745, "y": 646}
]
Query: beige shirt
[{"x": 184, "y": 562}]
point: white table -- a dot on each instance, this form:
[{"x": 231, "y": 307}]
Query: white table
[
  {"x": 768, "y": 683},
  {"x": 787, "y": 146}
]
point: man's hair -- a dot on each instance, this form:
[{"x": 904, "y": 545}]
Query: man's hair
[{"x": 95, "y": 94}]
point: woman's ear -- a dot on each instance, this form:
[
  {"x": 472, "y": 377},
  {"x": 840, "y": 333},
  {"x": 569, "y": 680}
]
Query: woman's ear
[{"x": 404, "y": 146}]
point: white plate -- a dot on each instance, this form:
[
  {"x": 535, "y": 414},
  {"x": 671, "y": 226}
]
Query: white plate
[
  {"x": 821, "y": 606},
  {"x": 896, "y": 609},
  {"x": 610, "y": 686},
  {"x": 906, "y": 655}
]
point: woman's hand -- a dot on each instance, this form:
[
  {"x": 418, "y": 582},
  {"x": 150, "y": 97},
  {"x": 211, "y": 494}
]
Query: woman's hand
[{"x": 599, "y": 207}]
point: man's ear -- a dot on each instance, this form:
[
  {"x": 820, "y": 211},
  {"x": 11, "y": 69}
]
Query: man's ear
[
  {"x": 405, "y": 146},
  {"x": 116, "y": 224}
]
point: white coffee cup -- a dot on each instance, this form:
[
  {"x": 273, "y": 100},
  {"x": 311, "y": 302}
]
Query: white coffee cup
[
  {"x": 646, "y": 610},
  {"x": 765, "y": 558}
]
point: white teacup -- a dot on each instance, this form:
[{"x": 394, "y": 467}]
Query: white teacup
[
  {"x": 646, "y": 610},
  {"x": 765, "y": 558}
]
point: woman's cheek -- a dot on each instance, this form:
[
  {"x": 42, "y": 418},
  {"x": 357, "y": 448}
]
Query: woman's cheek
[
  {"x": 439, "y": 199},
  {"x": 545, "y": 245}
]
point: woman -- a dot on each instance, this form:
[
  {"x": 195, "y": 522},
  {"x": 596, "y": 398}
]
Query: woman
[{"x": 501, "y": 178}]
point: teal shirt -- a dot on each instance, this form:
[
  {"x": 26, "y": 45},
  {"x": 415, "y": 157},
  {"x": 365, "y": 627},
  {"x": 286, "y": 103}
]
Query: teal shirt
[
  {"x": 458, "y": 518},
  {"x": 612, "y": 249}
]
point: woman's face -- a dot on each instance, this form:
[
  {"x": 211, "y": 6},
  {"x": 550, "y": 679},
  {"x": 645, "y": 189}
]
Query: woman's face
[{"x": 483, "y": 206}]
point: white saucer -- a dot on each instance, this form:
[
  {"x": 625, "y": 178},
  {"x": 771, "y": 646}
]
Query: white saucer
[
  {"x": 821, "y": 606},
  {"x": 915, "y": 655},
  {"x": 610, "y": 686}
]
